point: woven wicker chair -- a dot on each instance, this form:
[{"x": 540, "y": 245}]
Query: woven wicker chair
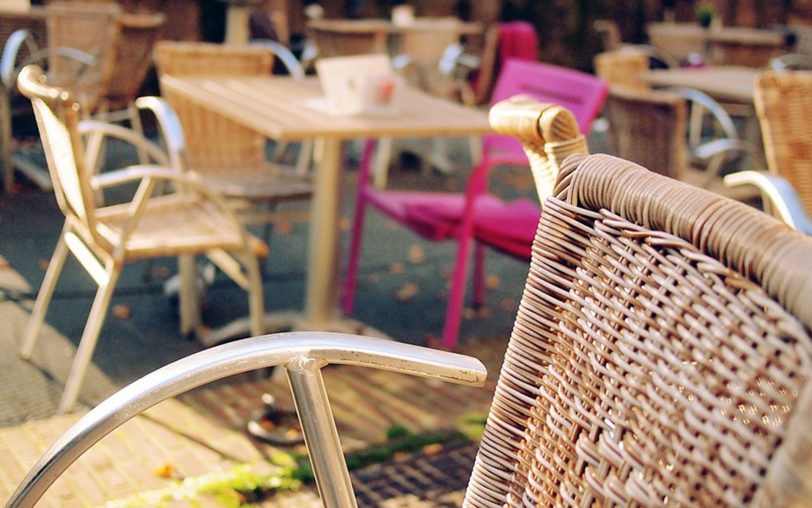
[
  {"x": 190, "y": 221},
  {"x": 94, "y": 49},
  {"x": 783, "y": 104},
  {"x": 661, "y": 356},
  {"x": 648, "y": 127},
  {"x": 225, "y": 155}
]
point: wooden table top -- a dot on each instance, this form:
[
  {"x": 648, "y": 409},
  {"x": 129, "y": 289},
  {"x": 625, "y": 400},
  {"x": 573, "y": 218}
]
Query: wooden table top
[
  {"x": 721, "y": 82},
  {"x": 275, "y": 107},
  {"x": 739, "y": 34},
  {"x": 386, "y": 26}
]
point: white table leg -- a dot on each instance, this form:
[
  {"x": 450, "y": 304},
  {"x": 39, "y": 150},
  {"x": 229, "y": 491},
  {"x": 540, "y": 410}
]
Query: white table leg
[{"x": 321, "y": 293}]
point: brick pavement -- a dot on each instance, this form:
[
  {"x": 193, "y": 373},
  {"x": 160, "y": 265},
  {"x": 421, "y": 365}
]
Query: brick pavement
[{"x": 202, "y": 431}]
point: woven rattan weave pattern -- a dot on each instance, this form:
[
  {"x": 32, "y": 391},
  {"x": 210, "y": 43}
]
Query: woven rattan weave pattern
[
  {"x": 784, "y": 102},
  {"x": 655, "y": 359}
]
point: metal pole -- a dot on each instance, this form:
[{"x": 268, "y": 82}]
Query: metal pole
[{"x": 320, "y": 433}]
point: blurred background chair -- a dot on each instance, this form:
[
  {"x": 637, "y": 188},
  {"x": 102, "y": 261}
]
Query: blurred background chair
[
  {"x": 223, "y": 154},
  {"x": 649, "y": 127},
  {"x": 94, "y": 49},
  {"x": 192, "y": 220},
  {"x": 637, "y": 340},
  {"x": 784, "y": 105},
  {"x": 506, "y": 226}
]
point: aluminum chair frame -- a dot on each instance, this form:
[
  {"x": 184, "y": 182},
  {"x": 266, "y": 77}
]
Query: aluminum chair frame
[{"x": 103, "y": 239}]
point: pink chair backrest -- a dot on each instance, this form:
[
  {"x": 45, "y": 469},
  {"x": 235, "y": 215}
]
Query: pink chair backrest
[
  {"x": 518, "y": 39},
  {"x": 581, "y": 93}
]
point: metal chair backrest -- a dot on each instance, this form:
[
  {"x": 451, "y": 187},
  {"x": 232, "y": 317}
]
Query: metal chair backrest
[
  {"x": 648, "y": 127},
  {"x": 213, "y": 141},
  {"x": 661, "y": 354},
  {"x": 783, "y": 104},
  {"x": 57, "y": 114}
]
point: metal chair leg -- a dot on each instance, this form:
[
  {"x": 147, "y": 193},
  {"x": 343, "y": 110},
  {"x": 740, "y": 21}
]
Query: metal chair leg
[
  {"x": 44, "y": 297},
  {"x": 90, "y": 336}
]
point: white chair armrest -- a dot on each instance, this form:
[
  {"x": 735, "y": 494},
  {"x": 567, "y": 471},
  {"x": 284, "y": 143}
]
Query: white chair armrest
[
  {"x": 284, "y": 54},
  {"x": 777, "y": 194},
  {"x": 97, "y": 131},
  {"x": 170, "y": 127},
  {"x": 11, "y": 50},
  {"x": 302, "y": 353}
]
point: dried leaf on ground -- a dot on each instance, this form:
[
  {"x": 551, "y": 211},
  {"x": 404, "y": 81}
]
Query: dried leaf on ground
[
  {"x": 407, "y": 292},
  {"x": 43, "y": 264},
  {"x": 508, "y": 304},
  {"x": 433, "y": 449},
  {"x": 492, "y": 281},
  {"x": 395, "y": 268},
  {"x": 165, "y": 470},
  {"x": 416, "y": 253},
  {"x": 122, "y": 311},
  {"x": 283, "y": 227},
  {"x": 344, "y": 224}
]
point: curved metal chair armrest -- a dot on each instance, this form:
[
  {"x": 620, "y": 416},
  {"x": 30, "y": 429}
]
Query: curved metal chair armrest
[
  {"x": 778, "y": 193},
  {"x": 170, "y": 127},
  {"x": 285, "y": 55},
  {"x": 97, "y": 131},
  {"x": 714, "y": 153},
  {"x": 791, "y": 61},
  {"x": 303, "y": 354},
  {"x": 148, "y": 176},
  {"x": 11, "y": 49},
  {"x": 657, "y": 53},
  {"x": 712, "y": 106}
]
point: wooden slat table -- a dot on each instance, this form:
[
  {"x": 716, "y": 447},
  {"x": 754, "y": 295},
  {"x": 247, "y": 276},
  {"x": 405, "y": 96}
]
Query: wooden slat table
[
  {"x": 725, "y": 83},
  {"x": 276, "y": 108},
  {"x": 726, "y": 45}
]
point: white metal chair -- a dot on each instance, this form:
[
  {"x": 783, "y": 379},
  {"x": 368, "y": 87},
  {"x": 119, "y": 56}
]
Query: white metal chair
[{"x": 192, "y": 220}]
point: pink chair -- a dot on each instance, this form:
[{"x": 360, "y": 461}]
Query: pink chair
[{"x": 506, "y": 226}]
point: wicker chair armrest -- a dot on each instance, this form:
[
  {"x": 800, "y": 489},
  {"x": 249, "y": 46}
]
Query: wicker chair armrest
[
  {"x": 778, "y": 195},
  {"x": 285, "y": 55},
  {"x": 97, "y": 131},
  {"x": 302, "y": 354},
  {"x": 170, "y": 127}
]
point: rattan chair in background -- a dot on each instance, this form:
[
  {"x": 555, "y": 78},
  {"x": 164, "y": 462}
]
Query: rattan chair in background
[
  {"x": 79, "y": 38},
  {"x": 784, "y": 105},
  {"x": 648, "y": 127},
  {"x": 661, "y": 356},
  {"x": 94, "y": 49},
  {"x": 192, "y": 220},
  {"x": 223, "y": 154}
]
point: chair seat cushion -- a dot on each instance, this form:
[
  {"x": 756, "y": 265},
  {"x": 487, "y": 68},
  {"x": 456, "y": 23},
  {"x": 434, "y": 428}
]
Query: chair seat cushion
[
  {"x": 170, "y": 225},
  {"x": 261, "y": 181},
  {"x": 508, "y": 226}
]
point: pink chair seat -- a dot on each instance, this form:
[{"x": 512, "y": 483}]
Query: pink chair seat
[{"x": 506, "y": 226}]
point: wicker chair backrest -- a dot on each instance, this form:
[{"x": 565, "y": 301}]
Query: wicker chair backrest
[
  {"x": 648, "y": 127},
  {"x": 214, "y": 142},
  {"x": 57, "y": 114},
  {"x": 661, "y": 353},
  {"x": 783, "y": 103}
]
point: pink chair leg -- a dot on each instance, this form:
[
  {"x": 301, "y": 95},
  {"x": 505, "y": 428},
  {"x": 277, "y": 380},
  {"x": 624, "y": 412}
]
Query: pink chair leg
[
  {"x": 479, "y": 275},
  {"x": 456, "y": 295},
  {"x": 351, "y": 277}
]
